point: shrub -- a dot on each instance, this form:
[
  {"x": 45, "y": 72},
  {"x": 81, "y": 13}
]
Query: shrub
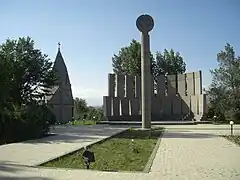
[{"x": 27, "y": 122}]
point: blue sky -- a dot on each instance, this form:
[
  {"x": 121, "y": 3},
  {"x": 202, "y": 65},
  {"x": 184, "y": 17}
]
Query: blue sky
[{"x": 92, "y": 31}]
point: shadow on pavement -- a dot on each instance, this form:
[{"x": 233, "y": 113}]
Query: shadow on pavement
[
  {"x": 6, "y": 167},
  {"x": 62, "y": 139},
  {"x": 24, "y": 178},
  {"x": 71, "y": 134},
  {"x": 188, "y": 135}
]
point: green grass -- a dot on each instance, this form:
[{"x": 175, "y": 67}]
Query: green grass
[
  {"x": 234, "y": 138},
  {"x": 86, "y": 122},
  {"x": 118, "y": 153}
]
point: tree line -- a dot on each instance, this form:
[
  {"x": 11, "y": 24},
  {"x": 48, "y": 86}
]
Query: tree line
[{"x": 84, "y": 112}]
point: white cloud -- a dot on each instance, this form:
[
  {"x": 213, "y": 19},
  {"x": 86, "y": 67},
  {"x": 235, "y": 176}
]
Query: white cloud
[{"x": 93, "y": 96}]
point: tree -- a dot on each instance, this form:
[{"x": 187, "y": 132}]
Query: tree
[
  {"x": 95, "y": 113},
  {"x": 128, "y": 60},
  {"x": 30, "y": 74},
  {"x": 217, "y": 99},
  {"x": 26, "y": 76},
  {"x": 169, "y": 63},
  {"x": 80, "y": 107},
  {"x": 224, "y": 91}
]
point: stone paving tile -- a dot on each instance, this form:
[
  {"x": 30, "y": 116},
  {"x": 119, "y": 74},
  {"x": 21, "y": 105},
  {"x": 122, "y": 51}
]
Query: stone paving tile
[
  {"x": 194, "y": 154},
  {"x": 63, "y": 174}
]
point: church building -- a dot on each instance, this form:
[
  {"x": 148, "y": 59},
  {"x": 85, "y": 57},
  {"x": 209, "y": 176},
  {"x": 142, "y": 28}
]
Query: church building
[{"x": 61, "y": 101}]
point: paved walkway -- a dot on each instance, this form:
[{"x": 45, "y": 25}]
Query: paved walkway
[
  {"x": 186, "y": 152},
  {"x": 197, "y": 154},
  {"x": 68, "y": 139}
]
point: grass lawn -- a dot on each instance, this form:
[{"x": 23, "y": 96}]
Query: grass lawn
[
  {"x": 127, "y": 151},
  {"x": 234, "y": 138}
]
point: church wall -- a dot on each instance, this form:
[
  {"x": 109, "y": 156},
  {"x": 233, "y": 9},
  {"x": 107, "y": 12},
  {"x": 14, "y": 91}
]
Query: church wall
[
  {"x": 56, "y": 111},
  {"x": 66, "y": 97},
  {"x": 55, "y": 99},
  {"x": 67, "y": 114}
]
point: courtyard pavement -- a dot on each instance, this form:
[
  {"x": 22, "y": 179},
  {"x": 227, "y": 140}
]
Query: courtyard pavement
[
  {"x": 66, "y": 140},
  {"x": 190, "y": 152}
]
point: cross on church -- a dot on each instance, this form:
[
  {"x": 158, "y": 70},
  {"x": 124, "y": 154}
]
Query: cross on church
[{"x": 59, "y": 44}]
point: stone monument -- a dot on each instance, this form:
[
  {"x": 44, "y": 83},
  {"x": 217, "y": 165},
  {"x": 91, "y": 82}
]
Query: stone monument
[
  {"x": 172, "y": 97},
  {"x": 145, "y": 24}
]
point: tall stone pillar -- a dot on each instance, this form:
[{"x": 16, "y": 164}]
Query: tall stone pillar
[
  {"x": 198, "y": 82},
  {"x": 181, "y": 84},
  {"x": 161, "y": 86},
  {"x": 120, "y": 84},
  {"x": 172, "y": 85},
  {"x": 190, "y": 84},
  {"x": 145, "y": 24},
  {"x": 111, "y": 85},
  {"x": 137, "y": 87},
  {"x": 129, "y": 80}
]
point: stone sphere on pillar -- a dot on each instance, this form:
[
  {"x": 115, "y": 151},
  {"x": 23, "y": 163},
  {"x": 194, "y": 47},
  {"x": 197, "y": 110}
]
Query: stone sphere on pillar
[{"x": 145, "y": 23}]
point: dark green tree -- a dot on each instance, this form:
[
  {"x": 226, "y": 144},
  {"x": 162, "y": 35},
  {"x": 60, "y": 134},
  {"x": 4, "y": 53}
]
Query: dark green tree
[
  {"x": 29, "y": 71},
  {"x": 80, "y": 108},
  {"x": 128, "y": 61},
  {"x": 169, "y": 62},
  {"x": 95, "y": 113},
  {"x": 224, "y": 91},
  {"x": 26, "y": 76}
]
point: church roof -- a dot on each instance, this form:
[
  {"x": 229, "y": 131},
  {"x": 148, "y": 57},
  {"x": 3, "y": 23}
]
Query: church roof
[
  {"x": 52, "y": 92},
  {"x": 63, "y": 82},
  {"x": 60, "y": 68}
]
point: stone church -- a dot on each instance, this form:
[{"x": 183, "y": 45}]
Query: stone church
[{"x": 61, "y": 101}]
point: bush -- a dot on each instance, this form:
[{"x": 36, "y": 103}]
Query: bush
[{"x": 27, "y": 122}]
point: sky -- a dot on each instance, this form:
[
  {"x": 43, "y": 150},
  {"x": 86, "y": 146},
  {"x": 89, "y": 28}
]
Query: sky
[{"x": 92, "y": 31}]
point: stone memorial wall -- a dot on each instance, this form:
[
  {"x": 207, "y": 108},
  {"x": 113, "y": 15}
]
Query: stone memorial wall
[{"x": 176, "y": 97}]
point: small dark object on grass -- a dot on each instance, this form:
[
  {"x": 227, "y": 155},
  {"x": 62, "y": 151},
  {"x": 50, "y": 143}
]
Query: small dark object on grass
[
  {"x": 134, "y": 149},
  {"x": 88, "y": 157}
]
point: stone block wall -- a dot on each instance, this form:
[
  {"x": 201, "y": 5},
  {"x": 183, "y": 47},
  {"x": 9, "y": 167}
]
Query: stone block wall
[{"x": 176, "y": 97}]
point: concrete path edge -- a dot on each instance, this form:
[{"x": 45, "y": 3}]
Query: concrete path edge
[{"x": 154, "y": 152}]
